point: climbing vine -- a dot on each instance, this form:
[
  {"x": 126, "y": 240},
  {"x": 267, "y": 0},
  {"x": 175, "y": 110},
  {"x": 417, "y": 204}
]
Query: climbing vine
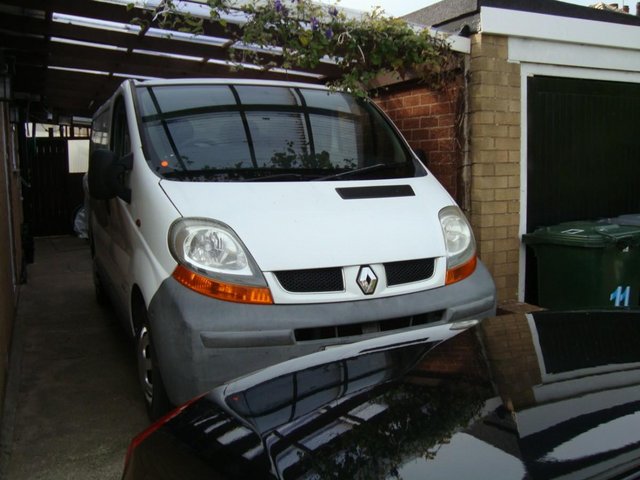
[{"x": 304, "y": 34}]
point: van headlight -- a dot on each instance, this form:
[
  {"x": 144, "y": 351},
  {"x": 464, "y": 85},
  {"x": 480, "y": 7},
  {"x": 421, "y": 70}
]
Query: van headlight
[
  {"x": 212, "y": 260},
  {"x": 459, "y": 242}
]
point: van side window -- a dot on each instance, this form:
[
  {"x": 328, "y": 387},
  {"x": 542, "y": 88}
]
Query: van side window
[
  {"x": 121, "y": 142},
  {"x": 100, "y": 131}
]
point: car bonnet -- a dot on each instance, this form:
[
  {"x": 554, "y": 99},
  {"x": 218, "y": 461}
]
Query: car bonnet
[{"x": 545, "y": 395}]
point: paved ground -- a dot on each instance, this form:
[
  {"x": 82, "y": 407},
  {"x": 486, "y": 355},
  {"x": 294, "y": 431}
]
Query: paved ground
[{"x": 73, "y": 402}]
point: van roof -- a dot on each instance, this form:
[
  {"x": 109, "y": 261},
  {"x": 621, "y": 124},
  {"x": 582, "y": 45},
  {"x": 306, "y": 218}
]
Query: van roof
[
  {"x": 227, "y": 81},
  {"x": 207, "y": 81}
]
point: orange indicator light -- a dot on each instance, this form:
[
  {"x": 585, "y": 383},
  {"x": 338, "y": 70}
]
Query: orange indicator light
[
  {"x": 461, "y": 271},
  {"x": 221, "y": 290},
  {"x": 164, "y": 163}
]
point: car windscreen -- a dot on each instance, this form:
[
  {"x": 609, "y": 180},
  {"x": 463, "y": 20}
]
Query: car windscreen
[{"x": 267, "y": 133}]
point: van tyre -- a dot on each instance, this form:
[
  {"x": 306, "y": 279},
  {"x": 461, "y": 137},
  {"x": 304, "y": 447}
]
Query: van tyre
[{"x": 155, "y": 395}]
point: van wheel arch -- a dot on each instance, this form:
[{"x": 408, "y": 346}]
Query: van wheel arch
[{"x": 149, "y": 376}]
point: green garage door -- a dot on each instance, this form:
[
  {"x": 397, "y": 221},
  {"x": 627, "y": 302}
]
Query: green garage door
[{"x": 583, "y": 159}]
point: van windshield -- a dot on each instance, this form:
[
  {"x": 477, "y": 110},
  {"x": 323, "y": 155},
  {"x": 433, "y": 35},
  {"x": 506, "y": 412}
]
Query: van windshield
[{"x": 267, "y": 133}]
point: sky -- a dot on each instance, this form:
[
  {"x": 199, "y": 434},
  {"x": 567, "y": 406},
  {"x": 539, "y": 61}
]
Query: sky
[{"x": 397, "y": 8}]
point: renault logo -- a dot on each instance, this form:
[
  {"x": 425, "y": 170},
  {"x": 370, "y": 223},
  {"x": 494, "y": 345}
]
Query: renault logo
[{"x": 367, "y": 280}]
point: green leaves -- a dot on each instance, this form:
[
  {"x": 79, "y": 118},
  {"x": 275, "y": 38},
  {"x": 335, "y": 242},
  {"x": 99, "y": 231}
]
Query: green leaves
[{"x": 308, "y": 33}]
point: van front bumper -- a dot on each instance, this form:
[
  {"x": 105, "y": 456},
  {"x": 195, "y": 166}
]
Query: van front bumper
[{"x": 202, "y": 342}]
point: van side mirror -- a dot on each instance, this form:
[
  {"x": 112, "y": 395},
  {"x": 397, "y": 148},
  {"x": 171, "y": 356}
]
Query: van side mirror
[
  {"x": 422, "y": 156},
  {"x": 106, "y": 172}
]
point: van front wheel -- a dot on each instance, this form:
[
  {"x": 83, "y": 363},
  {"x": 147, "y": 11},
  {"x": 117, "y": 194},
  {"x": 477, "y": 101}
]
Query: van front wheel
[{"x": 153, "y": 390}]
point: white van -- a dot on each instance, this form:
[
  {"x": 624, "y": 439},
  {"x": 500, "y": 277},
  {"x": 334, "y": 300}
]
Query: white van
[{"x": 236, "y": 224}]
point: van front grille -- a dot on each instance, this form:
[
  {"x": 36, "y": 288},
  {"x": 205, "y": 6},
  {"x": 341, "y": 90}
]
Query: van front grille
[
  {"x": 409, "y": 271},
  {"x": 352, "y": 329},
  {"x": 313, "y": 280},
  {"x": 332, "y": 280}
]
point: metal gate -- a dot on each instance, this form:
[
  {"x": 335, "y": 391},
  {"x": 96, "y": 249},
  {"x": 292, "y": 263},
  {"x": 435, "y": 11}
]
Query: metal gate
[
  {"x": 52, "y": 193},
  {"x": 583, "y": 158}
]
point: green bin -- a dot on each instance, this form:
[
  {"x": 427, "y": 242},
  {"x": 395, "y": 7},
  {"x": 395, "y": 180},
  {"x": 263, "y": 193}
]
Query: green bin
[{"x": 586, "y": 265}]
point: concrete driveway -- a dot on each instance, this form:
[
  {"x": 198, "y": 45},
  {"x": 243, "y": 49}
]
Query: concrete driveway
[{"x": 73, "y": 402}]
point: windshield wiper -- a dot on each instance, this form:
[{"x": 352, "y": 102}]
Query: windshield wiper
[
  {"x": 277, "y": 177},
  {"x": 177, "y": 173},
  {"x": 369, "y": 168}
]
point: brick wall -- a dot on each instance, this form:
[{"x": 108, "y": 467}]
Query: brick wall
[
  {"x": 430, "y": 120},
  {"x": 433, "y": 121},
  {"x": 494, "y": 134}
]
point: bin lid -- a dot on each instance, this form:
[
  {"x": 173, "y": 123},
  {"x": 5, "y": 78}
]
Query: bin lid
[
  {"x": 627, "y": 219},
  {"x": 585, "y": 234}
]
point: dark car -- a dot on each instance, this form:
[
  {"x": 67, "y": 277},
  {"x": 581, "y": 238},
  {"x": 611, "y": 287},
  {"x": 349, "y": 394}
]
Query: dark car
[{"x": 537, "y": 396}]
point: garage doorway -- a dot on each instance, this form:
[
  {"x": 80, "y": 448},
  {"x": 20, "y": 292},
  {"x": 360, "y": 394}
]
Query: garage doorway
[{"x": 583, "y": 155}]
